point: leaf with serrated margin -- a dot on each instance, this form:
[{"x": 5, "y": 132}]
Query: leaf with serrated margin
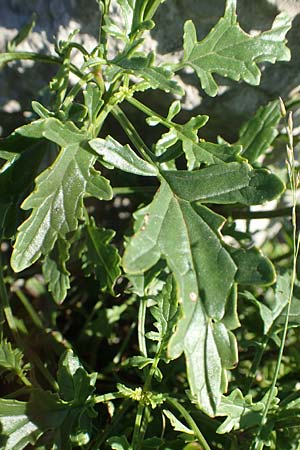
[
  {"x": 176, "y": 424},
  {"x": 161, "y": 78},
  {"x": 122, "y": 157},
  {"x": 241, "y": 412},
  {"x": 228, "y": 51},
  {"x": 272, "y": 312},
  {"x": 197, "y": 151},
  {"x": 57, "y": 201},
  {"x": 166, "y": 314},
  {"x": 259, "y": 132},
  {"x": 55, "y": 271},
  {"x": 196, "y": 261},
  {"x": 100, "y": 259},
  {"x": 16, "y": 183},
  {"x": 225, "y": 184},
  {"x": 155, "y": 77},
  {"x": 11, "y": 360}
]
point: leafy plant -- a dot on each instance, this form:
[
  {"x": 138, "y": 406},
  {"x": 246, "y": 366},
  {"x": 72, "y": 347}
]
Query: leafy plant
[{"x": 178, "y": 273}]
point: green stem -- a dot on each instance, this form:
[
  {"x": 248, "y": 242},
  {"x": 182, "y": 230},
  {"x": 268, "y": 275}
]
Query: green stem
[
  {"x": 124, "y": 344},
  {"x": 96, "y": 127},
  {"x": 267, "y": 214},
  {"x": 190, "y": 421},
  {"x": 141, "y": 327},
  {"x": 256, "y": 361},
  {"x": 116, "y": 419},
  {"x": 133, "y": 135},
  {"x": 149, "y": 112},
  {"x": 75, "y": 91},
  {"x": 136, "y": 438},
  {"x": 30, "y": 310},
  {"x": 13, "y": 56},
  {"x": 30, "y": 354},
  {"x": 152, "y": 9},
  {"x": 107, "y": 397},
  {"x": 258, "y": 443},
  {"x": 128, "y": 190}
]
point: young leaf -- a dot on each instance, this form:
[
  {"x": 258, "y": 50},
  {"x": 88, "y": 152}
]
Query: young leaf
[
  {"x": 100, "y": 259},
  {"x": 259, "y": 132},
  {"x": 22, "y": 34},
  {"x": 228, "y": 51},
  {"x": 57, "y": 201},
  {"x": 55, "y": 271},
  {"x": 176, "y": 424},
  {"x": 11, "y": 360},
  {"x": 122, "y": 157},
  {"x": 166, "y": 314},
  {"x": 92, "y": 100}
]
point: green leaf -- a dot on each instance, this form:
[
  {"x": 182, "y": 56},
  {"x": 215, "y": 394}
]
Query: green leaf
[
  {"x": 139, "y": 361},
  {"x": 100, "y": 259},
  {"x": 166, "y": 313},
  {"x": 236, "y": 183},
  {"x": 241, "y": 412},
  {"x": 122, "y": 157},
  {"x": 22, "y": 34},
  {"x": 119, "y": 443},
  {"x": 57, "y": 201},
  {"x": 228, "y": 51},
  {"x": 271, "y": 311},
  {"x": 16, "y": 56},
  {"x": 161, "y": 78},
  {"x": 176, "y": 424},
  {"x": 17, "y": 430},
  {"x": 253, "y": 268},
  {"x": 16, "y": 183},
  {"x": 259, "y": 132},
  {"x": 92, "y": 100},
  {"x": 154, "y": 77},
  {"x": 11, "y": 360},
  {"x": 75, "y": 384},
  {"x": 55, "y": 271},
  {"x": 282, "y": 292},
  {"x": 196, "y": 261},
  {"x": 127, "y": 9},
  {"x": 41, "y": 110},
  {"x": 197, "y": 151}
]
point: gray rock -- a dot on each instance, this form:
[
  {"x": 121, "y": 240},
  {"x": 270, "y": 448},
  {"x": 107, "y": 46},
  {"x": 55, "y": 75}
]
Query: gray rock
[{"x": 21, "y": 82}]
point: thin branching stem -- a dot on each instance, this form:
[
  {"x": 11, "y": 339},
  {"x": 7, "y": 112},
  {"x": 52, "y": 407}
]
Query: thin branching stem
[
  {"x": 190, "y": 421},
  {"x": 258, "y": 443},
  {"x": 133, "y": 135}
]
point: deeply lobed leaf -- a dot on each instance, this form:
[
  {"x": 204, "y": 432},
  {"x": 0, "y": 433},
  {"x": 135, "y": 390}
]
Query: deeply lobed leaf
[
  {"x": 57, "y": 201},
  {"x": 227, "y": 50}
]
